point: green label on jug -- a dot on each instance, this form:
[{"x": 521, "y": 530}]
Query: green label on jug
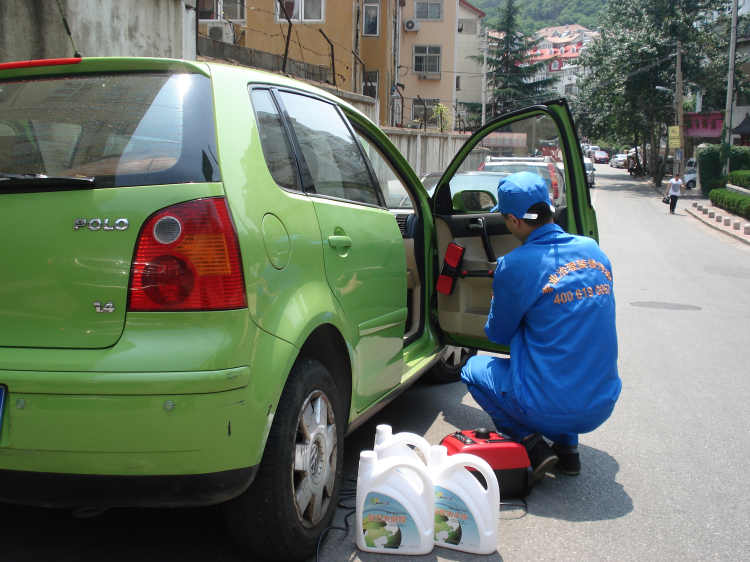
[
  {"x": 386, "y": 524},
  {"x": 454, "y": 524}
]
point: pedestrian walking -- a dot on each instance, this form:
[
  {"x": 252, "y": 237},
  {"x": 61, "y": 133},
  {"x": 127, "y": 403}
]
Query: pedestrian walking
[{"x": 674, "y": 192}]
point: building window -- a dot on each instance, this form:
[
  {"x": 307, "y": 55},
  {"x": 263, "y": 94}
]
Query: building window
[
  {"x": 302, "y": 10},
  {"x": 458, "y": 83},
  {"x": 424, "y": 112},
  {"x": 467, "y": 26},
  {"x": 370, "y": 84},
  {"x": 427, "y": 59},
  {"x": 371, "y": 19},
  {"x": 233, "y": 10},
  {"x": 428, "y": 9}
]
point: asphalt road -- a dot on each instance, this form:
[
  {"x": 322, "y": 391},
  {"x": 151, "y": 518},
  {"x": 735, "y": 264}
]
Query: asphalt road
[{"x": 663, "y": 479}]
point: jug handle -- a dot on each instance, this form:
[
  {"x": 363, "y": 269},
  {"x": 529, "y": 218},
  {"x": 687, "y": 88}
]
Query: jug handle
[
  {"x": 463, "y": 460},
  {"x": 418, "y": 468},
  {"x": 406, "y": 438}
]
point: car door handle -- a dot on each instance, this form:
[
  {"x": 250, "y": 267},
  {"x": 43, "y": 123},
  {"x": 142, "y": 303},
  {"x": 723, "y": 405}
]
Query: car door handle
[
  {"x": 339, "y": 242},
  {"x": 481, "y": 225}
]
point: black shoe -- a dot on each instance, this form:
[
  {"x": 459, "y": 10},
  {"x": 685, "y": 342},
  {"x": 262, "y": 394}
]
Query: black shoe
[
  {"x": 541, "y": 456},
  {"x": 569, "y": 461}
]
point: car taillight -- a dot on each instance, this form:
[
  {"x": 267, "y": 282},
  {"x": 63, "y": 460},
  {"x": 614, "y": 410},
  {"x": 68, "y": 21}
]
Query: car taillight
[
  {"x": 187, "y": 258},
  {"x": 554, "y": 185}
]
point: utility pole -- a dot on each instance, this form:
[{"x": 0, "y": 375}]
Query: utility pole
[
  {"x": 485, "y": 46},
  {"x": 680, "y": 116},
  {"x": 727, "y": 132}
]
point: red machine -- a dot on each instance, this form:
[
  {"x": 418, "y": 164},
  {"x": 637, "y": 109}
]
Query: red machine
[{"x": 506, "y": 457}]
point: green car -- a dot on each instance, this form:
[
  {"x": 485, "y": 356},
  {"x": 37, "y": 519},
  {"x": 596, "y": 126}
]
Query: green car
[{"x": 211, "y": 274}]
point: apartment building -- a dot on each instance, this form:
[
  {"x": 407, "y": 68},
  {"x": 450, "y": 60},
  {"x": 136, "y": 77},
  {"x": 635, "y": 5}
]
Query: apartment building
[
  {"x": 437, "y": 37},
  {"x": 559, "y": 49},
  {"x": 468, "y": 77}
]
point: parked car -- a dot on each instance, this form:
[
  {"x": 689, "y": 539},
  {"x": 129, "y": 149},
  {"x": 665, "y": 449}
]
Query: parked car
[
  {"x": 591, "y": 150},
  {"x": 600, "y": 157},
  {"x": 690, "y": 178},
  {"x": 544, "y": 166},
  {"x": 618, "y": 160},
  {"x": 212, "y": 274},
  {"x": 588, "y": 165}
]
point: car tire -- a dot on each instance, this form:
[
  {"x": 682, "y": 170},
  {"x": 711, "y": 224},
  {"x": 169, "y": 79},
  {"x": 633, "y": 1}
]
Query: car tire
[
  {"x": 448, "y": 368},
  {"x": 690, "y": 184},
  {"x": 293, "y": 497}
]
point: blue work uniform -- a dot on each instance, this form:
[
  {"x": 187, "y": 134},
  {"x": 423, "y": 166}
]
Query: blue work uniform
[{"x": 554, "y": 304}]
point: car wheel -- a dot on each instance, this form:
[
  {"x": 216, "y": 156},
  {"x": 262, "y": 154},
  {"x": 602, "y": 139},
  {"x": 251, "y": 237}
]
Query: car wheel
[
  {"x": 448, "y": 368},
  {"x": 690, "y": 184},
  {"x": 293, "y": 496}
]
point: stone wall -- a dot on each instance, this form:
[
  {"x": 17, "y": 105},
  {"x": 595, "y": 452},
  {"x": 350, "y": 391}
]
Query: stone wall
[{"x": 34, "y": 29}]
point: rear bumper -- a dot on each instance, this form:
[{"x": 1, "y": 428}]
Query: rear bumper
[
  {"x": 88, "y": 490},
  {"x": 129, "y": 449}
]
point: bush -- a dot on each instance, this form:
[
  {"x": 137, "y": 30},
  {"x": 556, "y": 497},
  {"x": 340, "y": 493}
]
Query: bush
[
  {"x": 740, "y": 178},
  {"x": 709, "y": 163},
  {"x": 717, "y": 183},
  {"x": 735, "y": 203}
]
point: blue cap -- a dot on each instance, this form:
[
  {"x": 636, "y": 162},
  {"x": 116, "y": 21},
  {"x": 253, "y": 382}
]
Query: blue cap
[{"x": 517, "y": 192}]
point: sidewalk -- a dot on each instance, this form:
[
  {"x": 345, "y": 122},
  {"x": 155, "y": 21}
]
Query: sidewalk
[
  {"x": 700, "y": 207},
  {"x": 721, "y": 220}
]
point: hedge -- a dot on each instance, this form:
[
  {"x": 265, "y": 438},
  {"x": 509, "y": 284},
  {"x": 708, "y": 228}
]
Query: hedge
[
  {"x": 735, "y": 203},
  {"x": 740, "y": 178},
  {"x": 709, "y": 163}
]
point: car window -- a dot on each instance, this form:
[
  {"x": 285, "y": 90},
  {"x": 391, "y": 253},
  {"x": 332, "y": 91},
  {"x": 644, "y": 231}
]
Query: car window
[
  {"x": 276, "y": 148},
  {"x": 394, "y": 190},
  {"x": 531, "y": 144},
  {"x": 123, "y": 129},
  {"x": 335, "y": 162}
]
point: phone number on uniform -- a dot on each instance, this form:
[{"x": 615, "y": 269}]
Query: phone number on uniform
[{"x": 582, "y": 293}]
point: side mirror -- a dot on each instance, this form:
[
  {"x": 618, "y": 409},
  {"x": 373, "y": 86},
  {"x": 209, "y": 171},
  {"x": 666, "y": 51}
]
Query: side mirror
[{"x": 474, "y": 201}]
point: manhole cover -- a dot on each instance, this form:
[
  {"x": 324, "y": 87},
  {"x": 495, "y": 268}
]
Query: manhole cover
[{"x": 665, "y": 305}]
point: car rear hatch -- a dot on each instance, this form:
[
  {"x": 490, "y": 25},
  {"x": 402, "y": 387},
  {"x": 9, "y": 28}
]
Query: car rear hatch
[{"x": 89, "y": 150}]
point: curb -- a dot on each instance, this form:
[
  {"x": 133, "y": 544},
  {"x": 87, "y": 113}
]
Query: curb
[{"x": 692, "y": 211}]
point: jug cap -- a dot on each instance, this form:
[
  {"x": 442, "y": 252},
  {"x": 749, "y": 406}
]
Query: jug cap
[{"x": 383, "y": 432}]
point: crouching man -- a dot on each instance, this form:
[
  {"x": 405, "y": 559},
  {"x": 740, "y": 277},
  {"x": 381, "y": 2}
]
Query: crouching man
[{"x": 554, "y": 304}]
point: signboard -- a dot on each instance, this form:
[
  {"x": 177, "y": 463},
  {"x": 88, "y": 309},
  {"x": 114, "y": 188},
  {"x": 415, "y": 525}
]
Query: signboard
[
  {"x": 674, "y": 137},
  {"x": 704, "y": 125}
]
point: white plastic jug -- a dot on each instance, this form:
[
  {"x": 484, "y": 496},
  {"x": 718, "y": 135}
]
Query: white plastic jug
[
  {"x": 466, "y": 513},
  {"x": 396, "y": 513},
  {"x": 388, "y": 445}
]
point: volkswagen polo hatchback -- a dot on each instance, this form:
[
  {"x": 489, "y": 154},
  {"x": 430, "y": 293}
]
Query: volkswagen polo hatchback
[{"x": 212, "y": 274}]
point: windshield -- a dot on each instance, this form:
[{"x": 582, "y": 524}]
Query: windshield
[{"x": 119, "y": 129}]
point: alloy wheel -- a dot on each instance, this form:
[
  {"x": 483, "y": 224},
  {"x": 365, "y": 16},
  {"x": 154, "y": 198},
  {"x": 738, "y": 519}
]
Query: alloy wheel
[{"x": 314, "y": 468}]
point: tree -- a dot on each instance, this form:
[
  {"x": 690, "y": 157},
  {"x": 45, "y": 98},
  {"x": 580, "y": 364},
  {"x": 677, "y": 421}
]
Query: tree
[
  {"x": 442, "y": 115},
  {"x": 513, "y": 78},
  {"x": 636, "y": 53}
]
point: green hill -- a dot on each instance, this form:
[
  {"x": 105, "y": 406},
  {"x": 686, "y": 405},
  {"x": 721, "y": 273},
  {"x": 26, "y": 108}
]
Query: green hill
[{"x": 536, "y": 14}]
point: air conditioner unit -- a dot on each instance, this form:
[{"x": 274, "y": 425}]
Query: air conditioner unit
[
  {"x": 411, "y": 25},
  {"x": 219, "y": 30}
]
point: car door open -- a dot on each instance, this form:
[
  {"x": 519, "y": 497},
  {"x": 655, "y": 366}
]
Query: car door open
[{"x": 471, "y": 233}]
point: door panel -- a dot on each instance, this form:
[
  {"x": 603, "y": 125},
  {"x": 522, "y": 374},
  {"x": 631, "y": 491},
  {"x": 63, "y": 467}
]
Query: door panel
[
  {"x": 363, "y": 253},
  {"x": 539, "y": 140},
  {"x": 465, "y": 310}
]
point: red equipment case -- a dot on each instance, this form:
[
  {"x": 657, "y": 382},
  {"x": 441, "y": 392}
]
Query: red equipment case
[{"x": 506, "y": 457}]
